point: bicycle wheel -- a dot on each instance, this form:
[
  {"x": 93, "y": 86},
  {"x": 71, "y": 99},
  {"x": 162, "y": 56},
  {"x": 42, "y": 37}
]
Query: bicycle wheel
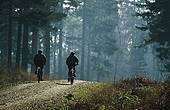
[
  {"x": 72, "y": 80},
  {"x": 72, "y": 76},
  {"x": 39, "y": 75}
]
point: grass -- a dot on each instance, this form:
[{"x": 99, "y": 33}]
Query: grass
[
  {"x": 99, "y": 96},
  {"x": 14, "y": 77},
  {"x": 131, "y": 94},
  {"x": 105, "y": 97}
]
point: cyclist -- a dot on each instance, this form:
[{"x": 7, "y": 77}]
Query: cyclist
[
  {"x": 71, "y": 62},
  {"x": 39, "y": 61}
]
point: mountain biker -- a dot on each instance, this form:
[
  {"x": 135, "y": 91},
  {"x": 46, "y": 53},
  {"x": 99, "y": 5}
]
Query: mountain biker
[
  {"x": 71, "y": 62},
  {"x": 39, "y": 61}
]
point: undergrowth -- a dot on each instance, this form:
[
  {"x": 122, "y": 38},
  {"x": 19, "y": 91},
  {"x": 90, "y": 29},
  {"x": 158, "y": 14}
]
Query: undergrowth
[
  {"x": 14, "y": 77},
  {"x": 146, "y": 95},
  {"x": 131, "y": 94}
]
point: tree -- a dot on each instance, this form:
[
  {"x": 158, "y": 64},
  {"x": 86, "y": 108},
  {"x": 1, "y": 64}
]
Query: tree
[
  {"x": 157, "y": 17},
  {"x": 84, "y": 17},
  {"x": 6, "y": 9},
  {"x": 102, "y": 20},
  {"x": 31, "y": 17}
]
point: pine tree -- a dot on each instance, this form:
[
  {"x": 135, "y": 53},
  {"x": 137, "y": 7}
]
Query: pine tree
[{"x": 158, "y": 24}]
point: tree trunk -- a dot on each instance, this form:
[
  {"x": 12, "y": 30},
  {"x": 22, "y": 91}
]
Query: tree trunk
[
  {"x": 47, "y": 51},
  {"x": 34, "y": 46},
  {"x": 83, "y": 42},
  {"x": 10, "y": 37},
  {"x": 88, "y": 63},
  {"x": 54, "y": 62},
  {"x": 116, "y": 65},
  {"x": 60, "y": 52},
  {"x": 99, "y": 71},
  {"x": 4, "y": 53},
  {"x": 25, "y": 48},
  {"x": 18, "y": 53},
  {"x": 55, "y": 41}
]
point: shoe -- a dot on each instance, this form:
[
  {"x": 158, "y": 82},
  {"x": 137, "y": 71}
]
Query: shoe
[{"x": 68, "y": 79}]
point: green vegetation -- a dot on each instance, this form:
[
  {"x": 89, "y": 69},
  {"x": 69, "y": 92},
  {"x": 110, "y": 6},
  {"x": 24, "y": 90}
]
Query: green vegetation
[
  {"x": 122, "y": 96},
  {"x": 131, "y": 94},
  {"x": 14, "y": 78}
]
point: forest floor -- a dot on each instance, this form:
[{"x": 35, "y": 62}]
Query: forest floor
[
  {"x": 30, "y": 96},
  {"x": 85, "y": 95}
]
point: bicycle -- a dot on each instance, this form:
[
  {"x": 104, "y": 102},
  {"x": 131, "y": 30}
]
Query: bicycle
[{"x": 39, "y": 74}]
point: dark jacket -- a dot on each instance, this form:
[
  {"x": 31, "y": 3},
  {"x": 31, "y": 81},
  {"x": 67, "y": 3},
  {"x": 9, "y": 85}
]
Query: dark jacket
[
  {"x": 72, "y": 61},
  {"x": 39, "y": 60}
]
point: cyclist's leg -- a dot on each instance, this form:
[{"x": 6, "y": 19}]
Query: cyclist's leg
[
  {"x": 69, "y": 74},
  {"x": 36, "y": 69}
]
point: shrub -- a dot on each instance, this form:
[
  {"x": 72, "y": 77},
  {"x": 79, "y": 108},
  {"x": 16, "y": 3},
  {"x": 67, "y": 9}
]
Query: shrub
[
  {"x": 14, "y": 76},
  {"x": 137, "y": 82}
]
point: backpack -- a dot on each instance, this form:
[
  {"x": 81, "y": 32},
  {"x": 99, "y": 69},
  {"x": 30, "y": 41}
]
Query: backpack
[
  {"x": 70, "y": 61},
  {"x": 39, "y": 59}
]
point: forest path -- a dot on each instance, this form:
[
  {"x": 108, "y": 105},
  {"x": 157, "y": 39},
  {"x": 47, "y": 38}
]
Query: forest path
[{"x": 26, "y": 96}]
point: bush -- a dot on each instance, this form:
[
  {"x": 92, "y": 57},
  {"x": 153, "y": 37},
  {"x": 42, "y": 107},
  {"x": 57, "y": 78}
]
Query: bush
[
  {"x": 125, "y": 96},
  {"x": 137, "y": 82},
  {"x": 14, "y": 76},
  {"x": 106, "y": 97}
]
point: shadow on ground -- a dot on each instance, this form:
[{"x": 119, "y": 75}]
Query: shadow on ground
[{"x": 63, "y": 83}]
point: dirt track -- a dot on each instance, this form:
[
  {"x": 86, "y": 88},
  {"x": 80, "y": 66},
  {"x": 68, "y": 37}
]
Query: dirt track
[{"x": 30, "y": 95}]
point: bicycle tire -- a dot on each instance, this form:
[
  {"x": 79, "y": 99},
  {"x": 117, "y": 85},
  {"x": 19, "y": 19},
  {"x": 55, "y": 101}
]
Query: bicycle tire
[
  {"x": 39, "y": 75},
  {"x": 72, "y": 80}
]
